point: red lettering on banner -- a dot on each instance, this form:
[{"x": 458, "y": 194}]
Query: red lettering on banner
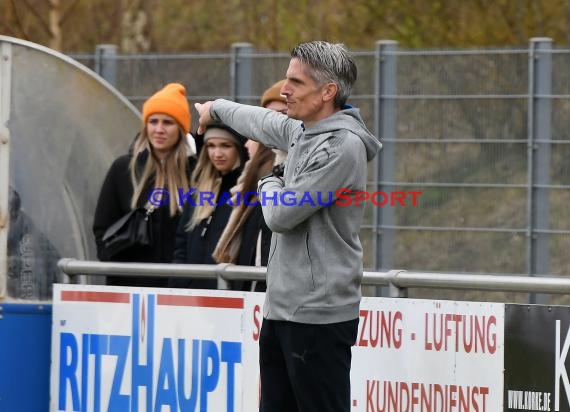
[
  {"x": 370, "y": 390},
  {"x": 256, "y": 322},
  {"x": 380, "y": 329},
  {"x": 389, "y": 396},
  {"x": 466, "y": 333}
]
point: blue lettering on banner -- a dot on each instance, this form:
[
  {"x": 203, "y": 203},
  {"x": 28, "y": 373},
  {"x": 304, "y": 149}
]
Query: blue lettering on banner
[{"x": 79, "y": 353}]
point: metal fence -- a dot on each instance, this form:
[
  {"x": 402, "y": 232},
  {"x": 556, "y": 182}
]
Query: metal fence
[
  {"x": 399, "y": 282},
  {"x": 482, "y": 134}
]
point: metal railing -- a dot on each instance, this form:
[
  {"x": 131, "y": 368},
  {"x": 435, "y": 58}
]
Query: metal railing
[
  {"x": 482, "y": 133},
  {"x": 399, "y": 281}
]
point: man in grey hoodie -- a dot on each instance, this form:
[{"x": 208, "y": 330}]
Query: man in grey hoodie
[{"x": 314, "y": 272}]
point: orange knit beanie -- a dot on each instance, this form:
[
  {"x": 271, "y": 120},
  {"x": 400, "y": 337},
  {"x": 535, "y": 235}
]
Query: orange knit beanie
[
  {"x": 273, "y": 93},
  {"x": 170, "y": 100}
]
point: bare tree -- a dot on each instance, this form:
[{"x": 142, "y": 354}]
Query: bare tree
[
  {"x": 32, "y": 21},
  {"x": 56, "y": 41},
  {"x": 135, "y": 27}
]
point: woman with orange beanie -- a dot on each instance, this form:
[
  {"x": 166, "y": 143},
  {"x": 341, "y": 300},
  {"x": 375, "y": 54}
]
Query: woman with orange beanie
[{"x": 159, "y": 159}]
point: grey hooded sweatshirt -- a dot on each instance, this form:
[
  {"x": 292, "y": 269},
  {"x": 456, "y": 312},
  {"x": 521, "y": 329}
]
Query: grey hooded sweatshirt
[{"x": 314, "y": 271}]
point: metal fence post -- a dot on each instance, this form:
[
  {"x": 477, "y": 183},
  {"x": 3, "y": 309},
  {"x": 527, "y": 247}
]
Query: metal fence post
[
  {"x": 385, "y": 128},
  {"x": 539, "y": 158},
  {"x": 106, "y": 62},
  {"x": 5, "y": 102},
  {"x": 240, "y": 72}
]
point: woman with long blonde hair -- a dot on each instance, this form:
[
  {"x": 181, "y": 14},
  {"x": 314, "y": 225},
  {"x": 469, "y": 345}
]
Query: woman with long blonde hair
[
  {"x": 206, "y": 214},
  {"x": 159, "y": 161}
]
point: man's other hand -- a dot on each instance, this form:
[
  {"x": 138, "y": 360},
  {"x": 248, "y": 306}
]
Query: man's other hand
[{"x": 204, "y": 118}]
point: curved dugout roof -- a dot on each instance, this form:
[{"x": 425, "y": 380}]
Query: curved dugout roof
[{"x": 61, "y": 126}]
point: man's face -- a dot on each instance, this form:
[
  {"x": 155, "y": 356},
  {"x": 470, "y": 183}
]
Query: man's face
[{"x": 304, "y": 97}]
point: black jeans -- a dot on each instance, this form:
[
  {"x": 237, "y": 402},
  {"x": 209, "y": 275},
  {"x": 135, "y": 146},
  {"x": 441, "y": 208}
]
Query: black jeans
[{"x": 306, "y": 367}]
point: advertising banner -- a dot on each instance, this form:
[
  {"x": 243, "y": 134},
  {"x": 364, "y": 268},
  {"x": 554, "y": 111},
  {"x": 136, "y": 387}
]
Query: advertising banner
[
  {"x": 141, "y": 349},
  {"x": 537, "y": 339},
  {"x": 425, "y": 355},
  {"x": 129, "y": 349}
]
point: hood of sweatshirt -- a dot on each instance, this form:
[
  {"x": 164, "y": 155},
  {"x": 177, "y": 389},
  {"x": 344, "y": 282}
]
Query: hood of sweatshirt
[{"x": 350, "y": 119}]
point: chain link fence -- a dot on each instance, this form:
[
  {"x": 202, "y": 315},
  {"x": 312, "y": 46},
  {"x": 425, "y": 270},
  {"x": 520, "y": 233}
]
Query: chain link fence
[{"x": 482, "y": 134}]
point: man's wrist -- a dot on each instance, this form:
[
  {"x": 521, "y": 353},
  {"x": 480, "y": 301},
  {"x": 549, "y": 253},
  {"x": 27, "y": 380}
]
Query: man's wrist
[
  {"x": 276, "y": 171},
  {"x": 213, "y": 114},
  {"x": 269, "y": 179}
]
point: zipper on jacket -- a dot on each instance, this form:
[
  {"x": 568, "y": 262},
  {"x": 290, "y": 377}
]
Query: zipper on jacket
[
  {"x": 310, "y": 261},
  {"x": 205, "y": 229}
]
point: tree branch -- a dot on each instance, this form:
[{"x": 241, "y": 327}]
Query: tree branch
[
  {"x": 18, "y": 21},
  {"x": 68, "y": 12},
  {"x": 37, "y": 15}
]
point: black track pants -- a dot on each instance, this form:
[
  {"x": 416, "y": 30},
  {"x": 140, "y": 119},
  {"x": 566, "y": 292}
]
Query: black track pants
[{"x": 306, "y": 367}]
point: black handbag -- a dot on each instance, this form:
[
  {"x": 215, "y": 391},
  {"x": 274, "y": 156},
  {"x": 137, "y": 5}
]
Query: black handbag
[{"x": 131, "y": 230}]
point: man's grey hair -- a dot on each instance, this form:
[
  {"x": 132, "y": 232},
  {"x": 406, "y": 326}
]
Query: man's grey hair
[{"x": 331, "y": 63}]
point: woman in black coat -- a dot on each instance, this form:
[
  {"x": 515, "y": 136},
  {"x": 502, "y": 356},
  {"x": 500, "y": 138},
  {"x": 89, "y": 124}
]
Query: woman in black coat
[
  {"x": 159, "y": 159},
  {"x": 206, "y": 214}
]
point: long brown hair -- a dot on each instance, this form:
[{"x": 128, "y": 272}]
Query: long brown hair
[
  {"x": 255, "y": 170},
  {"x": 227, "y": 249}
]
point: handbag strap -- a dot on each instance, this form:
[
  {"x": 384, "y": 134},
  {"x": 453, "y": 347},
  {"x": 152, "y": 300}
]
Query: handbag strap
[{"x": 149, "y": 211}]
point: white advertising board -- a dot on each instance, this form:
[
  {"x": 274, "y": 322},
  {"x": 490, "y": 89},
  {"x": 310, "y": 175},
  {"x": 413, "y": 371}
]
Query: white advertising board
[
  {"x": 139, "y": 349},
  {"x": 423, "y": 355}
]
